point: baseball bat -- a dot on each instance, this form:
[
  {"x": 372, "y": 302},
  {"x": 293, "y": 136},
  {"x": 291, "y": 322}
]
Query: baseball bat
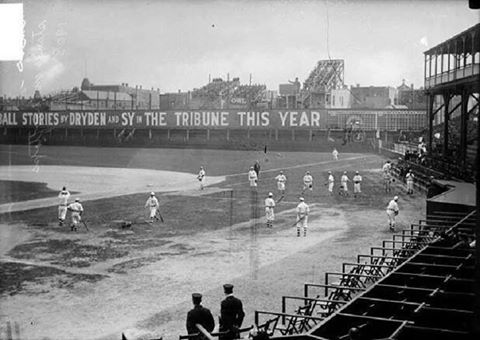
[
  {"x": 298, "y": 221},
  {"x": 85, "y": 225}
]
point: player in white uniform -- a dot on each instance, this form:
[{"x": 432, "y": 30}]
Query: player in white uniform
[
  {"x": 357, "y": 180},
  {"x": 201, "y": 177},
  {"x": 153, "y": 205},
  {"x": 63, "y": 197},
  {"x": 409, "y": 177},
  {"x": 302, "y": 216},
  {"x": 281, "y": 180},
  {"x": 387, "y": 177},
  {"x": 252, "y": 177},
  {"x": 307, "y": 182},
  {"x": 344, "y": 184},
  {"x": 269, "y": 210},
  {"x": 335, "y": 154},
  {"x": 77, "y": 210},
  {"x": 331, "y": 182},
  {"x": 392, "y": 211}
]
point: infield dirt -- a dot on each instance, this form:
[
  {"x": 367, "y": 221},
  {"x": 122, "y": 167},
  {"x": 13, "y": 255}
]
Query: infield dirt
[{"x": 96, "y": 284}]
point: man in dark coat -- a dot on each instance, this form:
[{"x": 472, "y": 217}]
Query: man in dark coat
[
  {"x": 231, "y": 314},
  {"x": 256, "y": 168},
  {"x": 199, "y": 315}
]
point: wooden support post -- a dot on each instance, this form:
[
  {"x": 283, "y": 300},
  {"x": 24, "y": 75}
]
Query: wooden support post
[
  {"x": 187, "y": 136},
  {"x": 276, "y": 134},
  {"x": 168, "y": 134},
  {"x": 430, "y": 117},
  {"x": 228, "y": 135},
  {"x": 463, "y": 126},
  {"x": 149, "y": 133},
  {"x": 446, "y": 100},
  {"x": 293, "y": 134},
  {"x": 310, "y": 135},
  {"x": 208, "y": 134}
]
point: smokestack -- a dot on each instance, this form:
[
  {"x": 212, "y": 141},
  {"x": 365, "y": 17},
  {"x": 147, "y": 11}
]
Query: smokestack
[{"x": 411, "y": 86}]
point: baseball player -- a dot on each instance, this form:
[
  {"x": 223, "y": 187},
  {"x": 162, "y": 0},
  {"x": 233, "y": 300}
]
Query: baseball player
[
  {"x": 152, "y": 204},
  {"x": 357, "y": 180},
  {"x": 392, "y": 211},
  {"x": 77, "y": 210},
  {"x": 409, "y": 177},
  {"x": 307, "y": 182},
  {"x": 344, "y": 184},
  {"x": 387, "y": 177},
  {"x": 331, "y": 182},
  {"x": 63, "y": 197},
  {"x": 269, "y": 210},
  {"x": 335, "y": 154},
  {"x": 302, "y": 216},
  {"x": 252, "y": 177},
  {"x": 201, "y": 177},
  {"x": 281, "y": 180},
  {"x": 256, "y": 167}
]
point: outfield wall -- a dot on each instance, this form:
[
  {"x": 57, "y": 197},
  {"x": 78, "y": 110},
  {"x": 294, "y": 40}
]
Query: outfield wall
[{"x": 350, "y": 130}]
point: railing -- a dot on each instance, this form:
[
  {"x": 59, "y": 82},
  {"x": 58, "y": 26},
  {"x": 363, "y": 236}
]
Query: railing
[
  {"x": 448, "y": 76},
  {"x": 356, "y": 278}
]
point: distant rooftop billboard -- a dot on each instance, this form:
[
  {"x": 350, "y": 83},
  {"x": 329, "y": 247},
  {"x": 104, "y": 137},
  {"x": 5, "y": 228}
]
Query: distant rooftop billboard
[{"x": 287, "y": 89}]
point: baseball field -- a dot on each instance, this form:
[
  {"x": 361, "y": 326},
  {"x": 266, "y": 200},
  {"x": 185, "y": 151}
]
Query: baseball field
[{"x": 109, "y": 279}]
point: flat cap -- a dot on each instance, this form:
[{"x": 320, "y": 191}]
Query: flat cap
[{"x": 196, "y": 296}]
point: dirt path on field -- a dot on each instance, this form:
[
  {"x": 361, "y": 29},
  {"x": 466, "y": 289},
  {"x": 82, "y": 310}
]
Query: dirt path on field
[
  {"x": 97, "y": 182},
  {"x": 158, "y": 279}
]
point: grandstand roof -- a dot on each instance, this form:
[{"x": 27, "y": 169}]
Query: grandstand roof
[{"x": 104, "y": 95}]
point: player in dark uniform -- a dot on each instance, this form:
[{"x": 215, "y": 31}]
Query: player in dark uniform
[
  {"x": 231, "y": 314},
  {"x": 199, "y": 315},
  {"x": 256, "y": 167}
]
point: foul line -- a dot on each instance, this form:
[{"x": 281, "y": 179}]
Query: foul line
[{"x": 304, "y": 165}]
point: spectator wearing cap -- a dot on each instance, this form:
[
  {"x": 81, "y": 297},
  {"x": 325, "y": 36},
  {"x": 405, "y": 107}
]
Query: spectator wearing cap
[
  {"x": 231, "y": 314},
  {"x": 199, "y": 315},
  {"x": 153, "y": 205},
  {"x": 392, "y": 212},
  {"x": 77, "y": 210},
  {"x": 269, "y": 210}
]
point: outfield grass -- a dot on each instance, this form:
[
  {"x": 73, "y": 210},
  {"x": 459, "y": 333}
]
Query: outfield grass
[
  {"x": 58, "y": 262},
  {"x": 15, "y": 191}
]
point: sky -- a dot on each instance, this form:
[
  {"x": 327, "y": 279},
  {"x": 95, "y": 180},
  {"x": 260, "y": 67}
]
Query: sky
[{"x": 176, "y": 45}]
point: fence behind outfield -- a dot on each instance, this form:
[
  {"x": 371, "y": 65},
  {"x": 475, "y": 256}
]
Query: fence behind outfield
[{"x": 308, "y": 129}]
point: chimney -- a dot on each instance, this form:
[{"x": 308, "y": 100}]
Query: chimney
[
  {"x": 126, "y": 84},
  {"x": 140, "y": 87},
  {"x": 411, "y": 86},
  {"x": 358, "y": 85}
]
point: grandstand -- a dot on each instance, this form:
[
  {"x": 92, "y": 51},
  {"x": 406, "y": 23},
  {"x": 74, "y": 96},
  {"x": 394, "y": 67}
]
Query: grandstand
[
  {"x": 325, "y": 77},
  {"x": 220, "y": 94}
]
